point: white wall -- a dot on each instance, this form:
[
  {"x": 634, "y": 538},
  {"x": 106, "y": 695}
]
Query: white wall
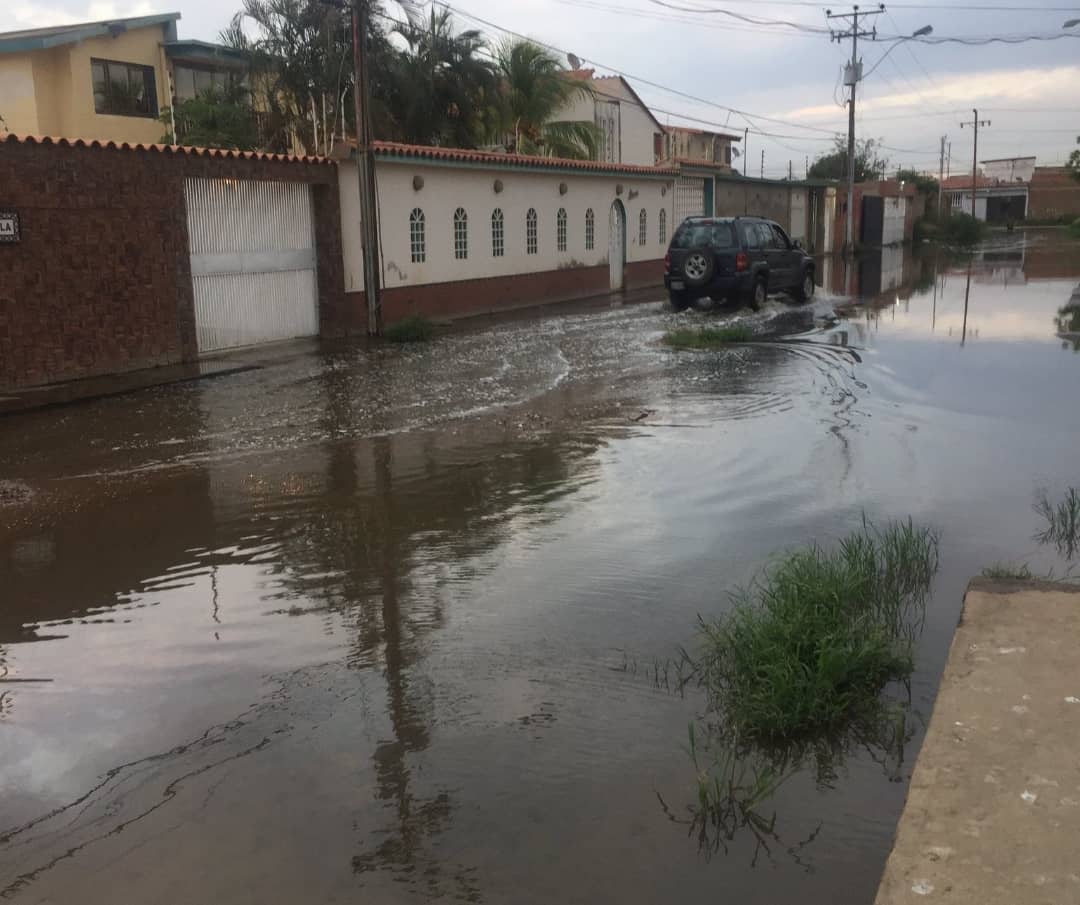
[
  {"x": 637, "y": 127},
  {"x": 445, "y": 188}
]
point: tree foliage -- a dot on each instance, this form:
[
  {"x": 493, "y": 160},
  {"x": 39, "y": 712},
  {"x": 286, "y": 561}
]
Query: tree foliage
[
  {"x": 216, "y": 118},
  {"x": 1073, "y": 162},
  {"x": 927, "y": 185},
  {"x": 869, "y": 162}
]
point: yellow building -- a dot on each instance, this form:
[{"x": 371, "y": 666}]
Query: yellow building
[{"x": 105, "y": 80}]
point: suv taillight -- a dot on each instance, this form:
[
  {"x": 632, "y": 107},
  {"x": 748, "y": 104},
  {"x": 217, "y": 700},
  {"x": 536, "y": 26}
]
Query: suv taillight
[
  {"x": 742, "y": 262},
  {"x": 667, "y": 263}
]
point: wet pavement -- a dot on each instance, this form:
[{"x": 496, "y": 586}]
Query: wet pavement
[{"x": 382, "y": 625}]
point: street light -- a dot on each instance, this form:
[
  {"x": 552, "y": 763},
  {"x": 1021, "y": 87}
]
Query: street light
[
  {"x": 1072, "y": 23},
  {"x": 923, "y": 32}
]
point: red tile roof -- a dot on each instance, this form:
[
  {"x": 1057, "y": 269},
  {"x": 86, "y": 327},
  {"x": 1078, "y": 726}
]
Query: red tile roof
[
  {"x": 523, "y": 161},
  {"x": 225, "y": 153}
]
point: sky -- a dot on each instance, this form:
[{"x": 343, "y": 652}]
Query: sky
[{"x": 699, "y": 63}]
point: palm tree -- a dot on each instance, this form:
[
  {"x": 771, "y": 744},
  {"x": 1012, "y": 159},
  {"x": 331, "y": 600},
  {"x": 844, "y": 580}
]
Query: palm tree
[
  {"x": 536, "y": 87},
  {"x": 441, "y": 86}
]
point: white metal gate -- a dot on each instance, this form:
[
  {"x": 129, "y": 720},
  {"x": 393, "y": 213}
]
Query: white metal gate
[
  {"x": 252, "y": 261},
  {"x": 892, "y": 230},
  {"x": 798, "y": 215},
  {"x": 689, "y": 198},
  {"x": 616, "y": 244}
]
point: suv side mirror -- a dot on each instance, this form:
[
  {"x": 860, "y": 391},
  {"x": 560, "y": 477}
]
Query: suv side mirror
[{"x": 796, "y": 243}]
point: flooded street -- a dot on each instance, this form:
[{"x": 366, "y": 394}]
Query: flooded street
[{"x": 386, "y": 625}]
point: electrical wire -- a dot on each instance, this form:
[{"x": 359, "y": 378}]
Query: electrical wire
[{"x": 749, "y": 117}]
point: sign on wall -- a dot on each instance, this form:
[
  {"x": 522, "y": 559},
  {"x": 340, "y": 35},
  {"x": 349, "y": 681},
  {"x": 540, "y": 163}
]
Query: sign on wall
[{"x": 9, "y": 226}]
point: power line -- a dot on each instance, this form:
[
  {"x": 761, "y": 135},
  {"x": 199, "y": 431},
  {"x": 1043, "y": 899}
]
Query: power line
[{"x": 933, "y": 6}]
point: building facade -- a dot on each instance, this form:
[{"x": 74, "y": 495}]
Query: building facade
[
  {"x": 684, "y": 144},
  {"x": 105, "y": 81}
]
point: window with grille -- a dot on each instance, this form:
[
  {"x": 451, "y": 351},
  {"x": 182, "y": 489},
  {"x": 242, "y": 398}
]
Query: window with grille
[
  {"x": 643, "y": 227},
  {"x": 590, "y": 230},
  {"x": 497, "y": 244},
  {"x": 416, "y": 236},
  {"x": 530, "y": 232},
  {"x": 461, "y": 234},
  {"x": 560, "y": 229},
  {"x": 663, "y": 227}
]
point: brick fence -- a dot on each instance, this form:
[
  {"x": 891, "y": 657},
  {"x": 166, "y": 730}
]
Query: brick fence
[{"x": 100, "y": 282}]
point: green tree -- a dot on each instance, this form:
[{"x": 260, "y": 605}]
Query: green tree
[
  {"x": 1073, "y": 162},
  {"x": 927, "y": 185},
  {"x": 869, "y": 163},
  {"x": 442, "y": 90},
  {"x": 216, "y": 118},
  {"x": 300, "y": 54},
  {"x": 535, "y": 88}
]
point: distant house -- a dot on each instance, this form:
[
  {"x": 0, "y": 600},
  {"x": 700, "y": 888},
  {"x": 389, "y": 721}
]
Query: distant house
[
  {"x": 629, "y": 133},
  {"x": 681, "y": 143},
  {"x": 105, "y": 80},
  {"x": 1009, "y": 169},
  {"x": 996, "y": 200}
]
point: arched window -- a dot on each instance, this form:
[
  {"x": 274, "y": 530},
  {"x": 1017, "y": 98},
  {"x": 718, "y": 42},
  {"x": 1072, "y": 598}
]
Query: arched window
[
  {"x": 530, "y": 231},
  {"x": 560, "y": 229},
  {"x": 643, "y": 228},
  {"x": 417, "y": 245},
  {"x": 461, "y": 234},
  {"x": 497, "y": 243},
  {"x": 590, "y": 230},
  {"x": 663, "y": 226}
]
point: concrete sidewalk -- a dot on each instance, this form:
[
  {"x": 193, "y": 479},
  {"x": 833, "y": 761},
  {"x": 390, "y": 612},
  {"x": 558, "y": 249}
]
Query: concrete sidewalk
[{"x": 993, "y": 812}]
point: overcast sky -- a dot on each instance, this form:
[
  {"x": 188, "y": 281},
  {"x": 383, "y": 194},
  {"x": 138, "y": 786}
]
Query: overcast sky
[{"x": 918, "y": 93}]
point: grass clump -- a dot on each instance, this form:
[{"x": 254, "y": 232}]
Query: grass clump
[
  {"x": 413, "y": 329},
  {"x": 1001, "y": 571},
  {"x": 708, "y": 337},
  {"x": 1062, "y": 522},
  {"x": 809, "y": 648},
  {"x": 1074, "y": 228}
]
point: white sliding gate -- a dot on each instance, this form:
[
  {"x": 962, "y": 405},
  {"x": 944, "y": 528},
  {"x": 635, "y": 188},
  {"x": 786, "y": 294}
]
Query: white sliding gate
[{"x": 252, "y": 261}]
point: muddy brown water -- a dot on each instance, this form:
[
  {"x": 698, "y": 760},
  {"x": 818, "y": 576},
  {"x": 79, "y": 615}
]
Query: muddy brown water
[{"x": 378, "y": 625}]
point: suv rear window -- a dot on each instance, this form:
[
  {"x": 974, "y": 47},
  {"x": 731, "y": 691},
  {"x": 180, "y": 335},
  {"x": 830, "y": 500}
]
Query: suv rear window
[{"x": 690, "y": 235}]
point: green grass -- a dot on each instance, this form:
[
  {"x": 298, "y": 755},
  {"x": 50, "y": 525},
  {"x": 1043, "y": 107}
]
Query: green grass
[
  {"x": 809, "y": 648},
  {"x": 707, "y": 337},
  {"x": 1062, "y": 522},
  {"x": 1005, "y": 572},
  {"x": 415, "y": 329},
  {"x": 1074, "y": 229}
]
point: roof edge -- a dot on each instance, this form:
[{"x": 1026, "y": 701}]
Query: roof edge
[{"x": 180, "y": 150}]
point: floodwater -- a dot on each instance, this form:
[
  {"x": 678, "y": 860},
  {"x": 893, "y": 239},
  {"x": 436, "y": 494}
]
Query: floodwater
[{"x": 381, "y": 625}]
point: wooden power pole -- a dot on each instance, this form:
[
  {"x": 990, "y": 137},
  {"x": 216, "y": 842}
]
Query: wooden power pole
[
  {"x": 365, "y": 165},
  {"x": 975, "y": 123}
]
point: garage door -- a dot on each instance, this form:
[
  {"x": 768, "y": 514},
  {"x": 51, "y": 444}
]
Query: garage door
[
  {"x": 689, "y": 198},
  {"x": 893, "y": 225},
  {"x": 252, "y": 261}
]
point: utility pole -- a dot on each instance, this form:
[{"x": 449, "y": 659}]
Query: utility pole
[
  {"x": 941, "y": 176},
  {"x": 789, "y": 174},
  {"x": 975, "y": 122},
  {"x": 365, "y": 165},
  {"x": 807, "y": 166},
  {"x": 852, "y": 75},
  {"x": 745, "y": 150},
  {"x": 948, "y": 160},
  {"x": 762, "y": 163}
]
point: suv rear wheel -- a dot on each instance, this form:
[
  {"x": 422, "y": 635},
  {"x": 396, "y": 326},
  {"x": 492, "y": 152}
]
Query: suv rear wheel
[
  {"x": 759, "y": 294},
  {"x": 680, "y": 301}
]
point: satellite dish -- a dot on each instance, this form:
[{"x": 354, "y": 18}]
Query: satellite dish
[{"x": 572, "y": 58}]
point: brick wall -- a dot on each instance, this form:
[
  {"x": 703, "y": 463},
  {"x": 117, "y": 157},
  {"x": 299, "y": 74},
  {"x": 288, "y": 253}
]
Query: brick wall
[
  {"x": 462, "y": 298},
  {"x": 1053, "y": 193},
  {"x": 100, "y": 282}
]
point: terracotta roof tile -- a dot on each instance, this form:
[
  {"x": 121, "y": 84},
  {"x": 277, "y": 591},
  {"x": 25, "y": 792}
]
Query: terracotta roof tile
[
  {"x": 223, "y": 153},
  {"x": 524, "y": 161}
]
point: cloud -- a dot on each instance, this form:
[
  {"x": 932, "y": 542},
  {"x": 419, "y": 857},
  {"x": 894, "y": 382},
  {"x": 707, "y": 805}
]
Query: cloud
[
  {"x": 1036, "y": 86},
  {"x": 33, "y": 15}
]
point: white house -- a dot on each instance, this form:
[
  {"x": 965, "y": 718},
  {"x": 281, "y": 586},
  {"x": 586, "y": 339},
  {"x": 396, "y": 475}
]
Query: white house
[
  {"x": 629, "y": 133},
  {"x": 473, "y": 231},
  {"x": 1009, "y": 169}
]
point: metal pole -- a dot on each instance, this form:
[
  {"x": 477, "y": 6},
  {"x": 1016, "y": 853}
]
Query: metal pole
[
  {"x": 762, "y": 163},
  {"x": 941, "y": 177},
  {"x": 974, "y": 171},
  {"x": 365, "y": 165},
  {"x": 746, "y": 149},
  {"x": 849, "y": 226}
]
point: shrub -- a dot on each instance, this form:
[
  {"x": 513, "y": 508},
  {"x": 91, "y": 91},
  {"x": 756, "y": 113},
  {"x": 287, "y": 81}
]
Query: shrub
[
  {"x": 1006, "y": 572},
  {"x": 708, "y": 337},
  {"x": 415, "y": 329},
  {"x": 961, "y": 229},
  {"x": 1074, "y": 228}
]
